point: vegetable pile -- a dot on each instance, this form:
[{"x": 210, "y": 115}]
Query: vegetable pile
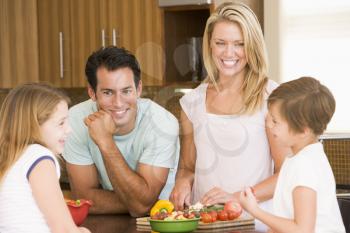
[{"x": 164, "y": 210}]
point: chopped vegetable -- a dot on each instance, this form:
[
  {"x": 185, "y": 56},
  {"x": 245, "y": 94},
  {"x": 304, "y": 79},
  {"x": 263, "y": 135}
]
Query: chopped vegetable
[
  {"x": 162, "y": 206},
  {"x": 77, "y": 202}
]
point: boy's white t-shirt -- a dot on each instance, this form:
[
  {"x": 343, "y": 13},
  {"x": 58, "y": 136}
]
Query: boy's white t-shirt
[
  {"x": 19, "y": 211},
  {"x": 309, "y": 168}
]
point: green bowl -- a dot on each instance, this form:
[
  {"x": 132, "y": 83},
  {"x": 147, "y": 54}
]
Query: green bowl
[{"x": 166, "y": 226}]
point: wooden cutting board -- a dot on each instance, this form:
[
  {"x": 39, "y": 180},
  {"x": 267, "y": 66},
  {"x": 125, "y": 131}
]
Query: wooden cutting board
[
  {"x": 243, "y": 222},
  {"x": 212, "y": 230}
]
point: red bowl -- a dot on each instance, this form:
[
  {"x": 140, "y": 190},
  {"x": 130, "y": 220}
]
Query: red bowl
[{"x": 79, "y": 210}]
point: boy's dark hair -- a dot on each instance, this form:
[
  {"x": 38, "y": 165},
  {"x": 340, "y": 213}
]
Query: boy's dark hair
[
  {"x": 304, "y": 102},
  {"x": 111, "y": 58}
]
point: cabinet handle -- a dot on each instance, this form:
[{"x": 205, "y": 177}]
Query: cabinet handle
[
  {"x": 103, "y": 38},
  {"x": 61, "y": 54},
  {"x": 114, "y": 36}
]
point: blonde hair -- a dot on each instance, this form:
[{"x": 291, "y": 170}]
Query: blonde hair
[
  {"x": 22, "y": 113},
  {"x": 304, "y": 102},
  {"x": 254, "y": 83}
]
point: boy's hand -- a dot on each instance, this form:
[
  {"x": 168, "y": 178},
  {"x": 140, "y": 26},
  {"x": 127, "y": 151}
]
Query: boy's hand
[{"x": 248, "y": 200}]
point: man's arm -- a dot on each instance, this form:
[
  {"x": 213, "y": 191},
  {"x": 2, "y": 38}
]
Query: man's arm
[
  {"x": 138, "y": 190},
  {"x": 84, "y": 184}
]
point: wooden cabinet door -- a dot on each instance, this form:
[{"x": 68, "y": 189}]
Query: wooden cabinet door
[
  {"x": 69, "y": 31},
  {"x": 149, "y": 47},
  {"x": 111, "y": 21},
  {"x": 138, "y": 27},
  {"x": 54, "y": 42},
  {"x": 85, "y": 36},
  {"x": 19, "y": 61}
]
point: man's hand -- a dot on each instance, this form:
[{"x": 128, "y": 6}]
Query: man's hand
[
  {"x": 217, "y": 195},
  {"x": 101, "y": 126},
  {"x": 181, "y": 194}
]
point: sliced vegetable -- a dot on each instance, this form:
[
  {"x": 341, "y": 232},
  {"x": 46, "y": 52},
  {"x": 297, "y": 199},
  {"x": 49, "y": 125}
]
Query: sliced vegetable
[{"x": 162, "y": 206}]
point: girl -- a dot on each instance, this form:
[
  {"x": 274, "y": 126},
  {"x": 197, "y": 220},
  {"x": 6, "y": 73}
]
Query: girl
[
  {"x": 34, "y": 127},
  {"x": 304, "y": 198}
]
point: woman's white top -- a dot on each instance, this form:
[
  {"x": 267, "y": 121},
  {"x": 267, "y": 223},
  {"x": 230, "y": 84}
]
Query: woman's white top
[
  {"x": 18, "y": 209},
  {"x": 232, "y": 150}
]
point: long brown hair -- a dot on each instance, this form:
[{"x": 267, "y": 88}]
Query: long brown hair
[
  {"x": 254, "y": 46},
  {"x": 22, "y": 113}
]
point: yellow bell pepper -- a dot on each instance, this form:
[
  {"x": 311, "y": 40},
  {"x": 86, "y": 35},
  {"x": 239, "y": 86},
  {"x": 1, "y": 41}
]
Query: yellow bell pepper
[{"x": 162, "y": 206}]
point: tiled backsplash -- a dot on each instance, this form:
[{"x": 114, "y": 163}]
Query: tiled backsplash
[{"x": 338, "y": 153}]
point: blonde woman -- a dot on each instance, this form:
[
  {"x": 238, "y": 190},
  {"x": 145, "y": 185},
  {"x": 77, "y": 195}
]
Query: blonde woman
[
  {"x": 225, "y": 144},
  {"x": 34, "y": 126}
]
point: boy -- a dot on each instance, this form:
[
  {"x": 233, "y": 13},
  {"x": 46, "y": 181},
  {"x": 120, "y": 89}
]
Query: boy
[{"x": 304, "y": 198}]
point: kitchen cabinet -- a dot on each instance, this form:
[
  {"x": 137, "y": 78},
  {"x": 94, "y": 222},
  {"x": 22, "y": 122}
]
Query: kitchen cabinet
[
  {"x": 85, "y": 36},
  {"x": 70, "y": 30},
  {"x": 184, "y": 29},
  {"x": 50, "y": 40},
  {"x": 149, "y": 48},
  {"x": 137, "y": 25},
  {"x": 54, "y": 44},
  {"x": 19, "y": 61},
  {"x": 68, "y": 33}
]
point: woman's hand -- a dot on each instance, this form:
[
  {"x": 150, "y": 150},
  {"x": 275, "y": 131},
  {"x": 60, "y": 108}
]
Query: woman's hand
[
  {"x": 248, "y": 200},
  {"x": 217, "y": 195},
  {"x": 181, "y": 194}
]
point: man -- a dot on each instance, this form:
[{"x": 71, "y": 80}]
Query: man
[{"x": 126, "y": 144}]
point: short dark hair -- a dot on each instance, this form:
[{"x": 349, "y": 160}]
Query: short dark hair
[
  {"x": 111, "y": 58},
  {"x": 304, "y": 102}
]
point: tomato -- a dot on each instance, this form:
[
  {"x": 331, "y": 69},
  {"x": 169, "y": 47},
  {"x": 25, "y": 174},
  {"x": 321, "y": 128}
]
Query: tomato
[
  {"x": 232, "y": 215},
  {"x": 233, "y": 206},
  {"x": 191, "y": 215},
  {"x": 159, "y": 216},
  {"x": 206, "y": 218},
  {"x": 214, "y": 215},
  {"x": 222, "y": 215},
  {"x": 156, "y": 216},
  {"x": 186, "y": 214}
]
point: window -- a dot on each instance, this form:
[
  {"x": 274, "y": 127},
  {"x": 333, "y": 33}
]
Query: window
[{"x": 313, "y": 39}]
